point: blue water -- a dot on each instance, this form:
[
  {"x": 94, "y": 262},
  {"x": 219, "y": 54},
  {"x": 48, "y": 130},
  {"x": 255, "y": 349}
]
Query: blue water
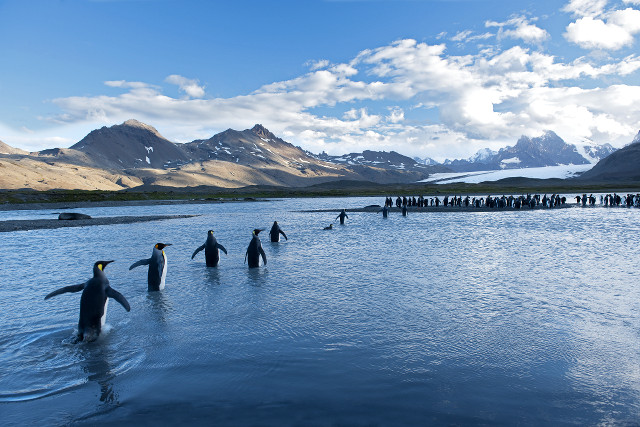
[{"x": 494, "y": 318}]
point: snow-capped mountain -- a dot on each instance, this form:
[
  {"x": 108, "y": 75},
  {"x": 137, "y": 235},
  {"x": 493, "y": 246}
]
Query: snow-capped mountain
[
  {"x": 381, "y": 159},
  {"x": 546, "y": 150}
]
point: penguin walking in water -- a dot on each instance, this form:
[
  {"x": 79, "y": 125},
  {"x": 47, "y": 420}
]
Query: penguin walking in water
[
  {"x": 342, "y": 215},
  {"x": 157, "y": 267},
  {"x": 211, "y": 253},
  {"x": 385, "y": 211},
  {"x": 275, "y": 232},
  {"x": 93, "y": 302},
  {"x": 404, "y": 211},
  {"x": 255, "y": 251}
]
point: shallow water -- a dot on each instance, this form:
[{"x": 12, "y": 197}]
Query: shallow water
[{"x": 524, "y": 317}]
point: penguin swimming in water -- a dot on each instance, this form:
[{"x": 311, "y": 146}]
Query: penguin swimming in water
[
  {"x": 275, "y": 232},
  {"x": 211, "y": 253},
  {"x": 255, "y": 251},
  {"x": 157, "y": 267},
  {"x": 93, "y": 302},
  {"x": 330, "y": 227}
]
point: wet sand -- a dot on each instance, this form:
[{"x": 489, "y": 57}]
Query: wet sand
[{"x": 37, "y": 224}]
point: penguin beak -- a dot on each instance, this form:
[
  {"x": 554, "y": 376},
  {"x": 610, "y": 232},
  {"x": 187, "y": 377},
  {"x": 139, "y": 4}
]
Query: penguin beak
[{"x": 103, "y": 264}]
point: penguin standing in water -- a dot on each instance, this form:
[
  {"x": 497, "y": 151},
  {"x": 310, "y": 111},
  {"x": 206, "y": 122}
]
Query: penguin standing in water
[
  {"x": 385, "y": 211},
  {"x": 93, "y": 302},
  {"x": 275, "y": 232},
  {"x": 255, "y": 251},
  {"x": 211, "y": 253},
  {"x": 404, "y": 211},
  {"x": 342, "y": 215},
  {"x": 157, "y": 267}
]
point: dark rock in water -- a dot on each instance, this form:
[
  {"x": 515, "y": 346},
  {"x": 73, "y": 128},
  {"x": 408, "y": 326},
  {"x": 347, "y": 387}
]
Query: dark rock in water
[{"x": 71, "y": 216}]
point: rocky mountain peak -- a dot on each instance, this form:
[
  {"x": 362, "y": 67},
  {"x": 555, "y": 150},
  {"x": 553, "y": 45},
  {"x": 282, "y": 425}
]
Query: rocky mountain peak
[
  {"x": 262, "y": 132},
  {"x": 139, "y": 125}
]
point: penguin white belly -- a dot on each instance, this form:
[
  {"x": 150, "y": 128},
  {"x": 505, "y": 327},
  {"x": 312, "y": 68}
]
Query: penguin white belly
[
  {"x": 164, "y": 271},
  {"x": 103, "y": 319}
]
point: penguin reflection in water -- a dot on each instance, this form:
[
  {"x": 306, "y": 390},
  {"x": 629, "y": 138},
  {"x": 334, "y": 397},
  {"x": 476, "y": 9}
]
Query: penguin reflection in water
[
  {"x": 255, "y": 251},
  {"x": 211, "y": 253},
  {"x": 157, "y": 267},
  {"x": 93, "y": 302}
]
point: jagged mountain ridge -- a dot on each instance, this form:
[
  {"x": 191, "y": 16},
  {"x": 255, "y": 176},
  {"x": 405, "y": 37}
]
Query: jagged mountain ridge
[
  {"x": 133, "y": 153},
  {"x": 546, "y": 150},
  {"x": 381, "y": 159}
]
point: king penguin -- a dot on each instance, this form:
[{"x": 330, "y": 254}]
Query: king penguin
[
  {"x": 211, "y": 253},
  {"x": 93, "y": 302},
  {"x": 157, "y": 267},
  {"x": 255, "y": 251},
  {"x": 275, "y": 232}
]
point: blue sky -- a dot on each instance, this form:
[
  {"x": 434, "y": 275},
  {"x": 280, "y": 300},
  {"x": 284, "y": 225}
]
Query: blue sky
[{"x": 423, "y": 77}]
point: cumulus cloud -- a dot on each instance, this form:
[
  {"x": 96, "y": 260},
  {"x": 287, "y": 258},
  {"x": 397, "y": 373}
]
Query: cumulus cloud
[
  {"x": 465, "y": 102},
  {"x": 600, "y": 29},
  {"x": 519, "y": 27},
  {"x": 189, "y": 86}
]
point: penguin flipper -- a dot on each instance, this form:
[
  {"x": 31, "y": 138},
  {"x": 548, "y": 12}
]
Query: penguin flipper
[
  {"x": 139, "y": 263},
  {"x": 264, "y": 256},
  {"x": 285, "y": 236},
  {"x": 245, "y": 256},
  {"x": 112, "y": 293},
  {"x": 222, "y": 249},
  {"x": 196, "y": 251},
  {"x": 72, "y": 288}
]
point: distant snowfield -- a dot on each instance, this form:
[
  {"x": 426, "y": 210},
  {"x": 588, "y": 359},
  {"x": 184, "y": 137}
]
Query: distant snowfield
[{"x": 561, "y": 171}]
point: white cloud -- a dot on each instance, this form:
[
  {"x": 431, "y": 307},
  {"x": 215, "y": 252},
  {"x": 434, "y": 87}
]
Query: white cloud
[
  {"x": 582, "y": 8},
  {"x": 467, "y": 102},
  {"x": 396, "y": 115},
  {"x": 611, "y": 30},
  {"x": 189, "y": 86},
  {"x": 522, "y": 29}
]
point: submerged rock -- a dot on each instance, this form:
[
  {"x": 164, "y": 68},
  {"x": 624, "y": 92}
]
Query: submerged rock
[{"x": 72, "y": 216}]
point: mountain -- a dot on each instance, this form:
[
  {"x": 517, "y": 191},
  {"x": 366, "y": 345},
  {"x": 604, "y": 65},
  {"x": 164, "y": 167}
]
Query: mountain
[
  {"x": 254, "y": 147},
  {"x": 546, "y": 150},
  {"x": 131, "y": 144},
  {"x": 134, "y": 154},
  {"x": 621, "y": 166},
  {"x": 7, "y": 149},
  {"x": 382, "y": 159},
  {"x": 428, "y": 161}
]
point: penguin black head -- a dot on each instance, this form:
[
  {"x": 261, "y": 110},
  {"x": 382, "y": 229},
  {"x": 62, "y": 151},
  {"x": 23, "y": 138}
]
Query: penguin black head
[
  {"x": 257, "y": 231},
  {"x": 210, "y": 231},
  {"x": 161, "y": 246},
  {"x": 100, "y": 265}
]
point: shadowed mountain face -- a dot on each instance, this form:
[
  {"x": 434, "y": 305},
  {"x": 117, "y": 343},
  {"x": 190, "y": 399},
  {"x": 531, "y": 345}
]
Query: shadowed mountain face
[
  {"x": 130, "y": 145},
  {"x": 622, "y": 165}
]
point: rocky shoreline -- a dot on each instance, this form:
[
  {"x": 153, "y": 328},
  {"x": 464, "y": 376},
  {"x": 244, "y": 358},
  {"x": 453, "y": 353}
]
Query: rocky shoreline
[{"x": 38, "y": 224}]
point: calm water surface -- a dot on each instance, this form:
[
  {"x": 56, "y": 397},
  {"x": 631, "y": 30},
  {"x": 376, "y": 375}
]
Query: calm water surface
[{"x": 493, "y": 318}]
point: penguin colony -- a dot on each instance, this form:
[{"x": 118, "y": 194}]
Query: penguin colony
[{"x": 97, "y": 291}]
